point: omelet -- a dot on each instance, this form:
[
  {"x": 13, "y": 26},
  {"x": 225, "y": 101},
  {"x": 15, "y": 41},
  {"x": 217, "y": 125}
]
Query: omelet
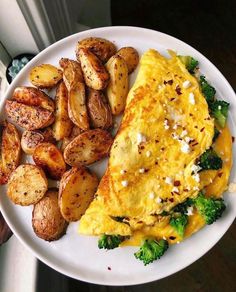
[{"x": 152, "y": 166}]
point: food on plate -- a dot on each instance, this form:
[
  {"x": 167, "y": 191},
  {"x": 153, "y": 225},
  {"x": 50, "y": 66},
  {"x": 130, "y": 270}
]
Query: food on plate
[
  {"x": 27, "y": 185},
  {"x": 73, "y": 78},
  {"x": 95, "y": 73},
  {"x": 45, "y": 76},
  {"x": 50, "y": 159},
  {"x": 47, "y": 220},
  {"x": 62, "y": 125},
  {"x": 28, "y": 117},
  {"x": 76, "y": 191},
  {"x": 33, "y": 96},
  {"x": 99, "y": 109},
  {"x": 102, "y": 48},
  {"x": 118, "y": 86},
  {"x": 74, "y": 133},
  {"x": 169, "y": 163},
  {"x": 9, "y": 151},
  {"x": 189, "y": 62},
  {"x": 88, "y": 147},
  {"x": 131, "y": 57}
]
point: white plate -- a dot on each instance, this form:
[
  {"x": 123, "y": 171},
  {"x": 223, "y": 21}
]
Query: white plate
[{"x": 78, "y": 256}]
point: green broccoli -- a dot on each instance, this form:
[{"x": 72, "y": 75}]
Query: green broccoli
[
  {"x": 110, "y": 241},
  {"x": 210, "y": 160},
  {"x": 182, "y": 208},
  {"x": 210, "y": 208},
  {"x": 207, "y": 90},
  {"x": 179, "y": 223},
  {"x": 189, "y": 62},
  {"x": 216, "y": 134},
  {"x": 151, "y": 250},
  {"x": 219, "y": 110}
]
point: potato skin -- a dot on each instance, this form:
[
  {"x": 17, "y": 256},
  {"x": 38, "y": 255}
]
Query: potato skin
[
  {"x": 76, "y": 192},
  {"x": 102, "y": 48},
  {"x": 10, "y": 151},
  {"x": 62, "y": 125},
  {"x": 28, "y": 117},
  {"x": 33, "y": 96},
  {"x": 88, "y": 147},
  {"x": 29, "y": 141},
  {"x": 76, "y": 131},
  {"x": 131, "y": 57},
  {"x": 49, "y": 158},
  {"x": 95, "y": 74},
  {"x": 99, "y": 109},
  {"x": 47, "y": 220},
  {"x": 118, "y": 86},
  {"x": 45, "y": 76},
  {"x": 27, "y": 185}
]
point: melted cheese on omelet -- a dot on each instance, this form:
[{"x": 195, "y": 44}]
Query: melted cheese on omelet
[{"x": 166, "y": 126}]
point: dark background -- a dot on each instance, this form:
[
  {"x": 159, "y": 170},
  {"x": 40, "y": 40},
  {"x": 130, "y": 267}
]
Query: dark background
[{"x": 210, "y": 27}]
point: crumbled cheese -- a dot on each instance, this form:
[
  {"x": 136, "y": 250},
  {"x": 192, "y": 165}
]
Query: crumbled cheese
[
  {"x": 158, "y": 200},
  {"x": 232, "y": 187},
  {"x": 124, "y": 183},
  {"x": 191, "y": 98},
  {"x": 151, "y": 195},
  {"x": 175, "y": 136},
  {"x": 141, "y": 170},
  {"x": 195, "y": 168},
  {"x": 168, "y": 180},
  {"x": 219, "y": 107},
  {"x": 140, "y": 138},
  {"x": 164, "y": 237},
  {"x": 184, "y": 133},
  {"x": 175, "y": 189},
  {"x": 196, "y": 188},
  {"x": 190, "y": 211},
  {"x": 185, "y": 148},
  {"x": 166, "y": 126},
  {"x": 186, "y": 84},
  {"x": 196, "y": 177},
  {"x": 122, "y": 171},
  {"x": 174, "y": 127},
  {"x": 148, "y": 153},
  {"x": 160, "y": 86}
]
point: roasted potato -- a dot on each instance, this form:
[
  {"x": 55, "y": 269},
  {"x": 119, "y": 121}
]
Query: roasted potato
[
  {"x": 9, "y": 152},
  {"x": 131, "y": 57},
  {"x": 62, "y": 125},
  {"x": 118, "y": 86},
  {"x": 33, "y": 96},
  {"x": 77, "y": 106},
  {"x": 76, "y": 191},
  {"x": 88, "y": 147},
  {"x": 47, "y": 220},
  {"x": 99, "y": 109},
  {"x": 45, "y": 76},
  {"x": 72, "y": 73},
  {"x": 102, "y": 48},
  {"x": 48, "y": 135},
  {"x": 49, "y": 158},
  {"x": 27, "y": 185},
  {"x": 95, "y": 74},
  {"x": 28, "y": 117},
  {"x": 76, "y": 131}
]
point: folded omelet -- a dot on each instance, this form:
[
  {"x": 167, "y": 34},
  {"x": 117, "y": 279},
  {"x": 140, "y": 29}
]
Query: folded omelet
[{"x": 152, "y": 166}]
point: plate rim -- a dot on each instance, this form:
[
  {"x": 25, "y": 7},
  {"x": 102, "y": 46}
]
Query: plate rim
[{"x": 43, "y": 258}]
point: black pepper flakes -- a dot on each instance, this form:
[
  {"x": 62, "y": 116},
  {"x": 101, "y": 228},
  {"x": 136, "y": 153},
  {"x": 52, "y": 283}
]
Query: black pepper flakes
[{"x": 178, "y": 90}]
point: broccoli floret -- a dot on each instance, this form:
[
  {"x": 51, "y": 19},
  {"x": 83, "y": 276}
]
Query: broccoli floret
[
  {"x": 219, "y": 110},
  {"x": 151, "y": 250},
  {"x": 216, "y": 134},
  {"x": 211, "y": 209},
  {"x": 182, "y": 208},
  {"x": 207, "y": 90},
  {"x": 189, "y": 62},
  {"x": 210, "y": 160},
  {"x": 179, "y": 223},
  {"x": 109, "y": 241}
]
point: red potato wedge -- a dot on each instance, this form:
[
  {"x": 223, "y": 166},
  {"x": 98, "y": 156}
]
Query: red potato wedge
[
  {"x": 45, "y": 76},
  {"x": 88, "y": 147},
  {"x": 47, "y": 220},
  {"x": 33, "y": 96},
  {"x": 28, "y": 117},
  {"x": 76, "y": 131},
  {"x": 10, "y": 151},
  {"x": 62, "y": 125},
  {"x": 102, "y": 48},
  {"x": 76, "y": 192},
  {"x": 49, "y": 158},
  {"x": 99, "y": 109},
  {"x": 95, "y": 74},
  {"x": 131, "y": 57},
  {"x": 27, "y": 185}
]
